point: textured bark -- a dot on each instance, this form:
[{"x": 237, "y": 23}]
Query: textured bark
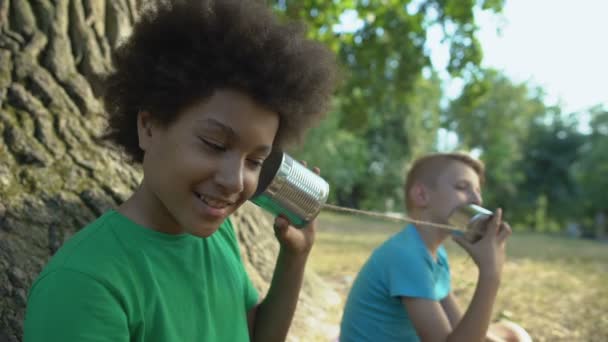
[{"x": 55, "y": 173}]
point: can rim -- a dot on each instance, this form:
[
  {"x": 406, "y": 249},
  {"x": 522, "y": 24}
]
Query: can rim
[{"x": 271, "y": 166}]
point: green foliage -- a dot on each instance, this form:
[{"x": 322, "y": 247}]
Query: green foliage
[
  {"x": 341, "y": 155},
  {"x": 552, "y": 148},
  {"x": 494, "y": 116},
  {"x": 530, "y": 150},
  {"x": 384, "y": 53},
  {"x": 591, "y": 168},
  {"x": 386, "y": 112},
  {"x": 594, "y": 166},
  {"x": 366, "y": 170},
  {"x": 540, "y": 168},
  {"x": 538, "y": 218},
  {"x": 563, "y": 170}
]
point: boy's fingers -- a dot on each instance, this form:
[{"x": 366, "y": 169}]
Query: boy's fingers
[
  {"x": 505, "y": 231},
  {"x": 280, "y": 221},
  {"x": 280, "y": 226},
  {"x": 460, "y": 240},
  {"x": 316, "y": 170},
  {"x": 494, "y": 223}
]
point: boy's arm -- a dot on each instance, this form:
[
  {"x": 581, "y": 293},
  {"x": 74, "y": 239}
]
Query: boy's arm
[
  {"x": 270, "y": 320},
  {"x": 433, "y": 324},
  {"x": 429, "y": 319},
  {"x": 451, "y": 309},
  {"x": 488, "y": 254}
]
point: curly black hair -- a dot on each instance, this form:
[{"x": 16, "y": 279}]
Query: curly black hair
[{"x": 180, "y": 52}]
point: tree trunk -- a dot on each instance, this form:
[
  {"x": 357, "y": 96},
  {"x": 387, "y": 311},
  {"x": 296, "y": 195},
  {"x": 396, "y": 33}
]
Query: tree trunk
[{"x": 55, "y": 173}]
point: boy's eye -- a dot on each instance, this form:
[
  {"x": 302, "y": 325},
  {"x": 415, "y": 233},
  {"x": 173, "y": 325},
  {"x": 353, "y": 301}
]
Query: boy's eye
[
  {"x": 256, "y": 162},
  {"x": 461, "y": 186},
  {"x": 213, "y": 145}
]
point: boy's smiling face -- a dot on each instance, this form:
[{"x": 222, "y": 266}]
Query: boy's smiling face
[
  {"x": 457, "y": 185},
  {"x": 204, "y": 165}
]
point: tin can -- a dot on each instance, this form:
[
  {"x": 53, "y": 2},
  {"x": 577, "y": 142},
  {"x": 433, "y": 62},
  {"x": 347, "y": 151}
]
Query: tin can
[
  {"x": 472, "y": 219},
  {"x": 288, "y": 188}
]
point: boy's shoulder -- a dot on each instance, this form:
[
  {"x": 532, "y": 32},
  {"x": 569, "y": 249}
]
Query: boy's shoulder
[
  {"x": 404, "y": 244},
  {"x": 94, "y": 249},
  {"x": 101, "y": 249}
]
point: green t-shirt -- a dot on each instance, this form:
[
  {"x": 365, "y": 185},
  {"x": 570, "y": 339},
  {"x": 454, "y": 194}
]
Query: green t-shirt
[{"x": 117, "y": 281}]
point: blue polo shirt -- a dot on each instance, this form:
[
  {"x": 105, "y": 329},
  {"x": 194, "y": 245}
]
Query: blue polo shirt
[{"x": 401, "y": 267}]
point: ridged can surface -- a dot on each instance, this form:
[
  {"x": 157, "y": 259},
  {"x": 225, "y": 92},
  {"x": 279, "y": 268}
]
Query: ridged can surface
[{"x": 288, "y": 188}]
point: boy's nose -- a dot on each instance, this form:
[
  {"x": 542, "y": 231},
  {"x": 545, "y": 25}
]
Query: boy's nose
[
  {"x": 230, "y": 176},
  {"x": 476, "y": 198}
]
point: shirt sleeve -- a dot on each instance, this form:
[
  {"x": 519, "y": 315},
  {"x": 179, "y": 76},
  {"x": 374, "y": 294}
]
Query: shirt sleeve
[
  {"x": 251, "y": 294},
  {"x": 70, "y": 306},
  {"x": 409, "y": 274}
]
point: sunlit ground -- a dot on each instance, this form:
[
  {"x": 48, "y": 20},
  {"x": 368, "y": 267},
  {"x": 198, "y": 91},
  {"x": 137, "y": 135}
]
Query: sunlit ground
[{"x": 555, "y": 287}]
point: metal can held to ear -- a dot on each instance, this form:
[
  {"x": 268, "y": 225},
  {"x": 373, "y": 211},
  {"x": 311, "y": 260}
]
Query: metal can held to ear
[
  {"x": 288, "y": 188},
  {"x": 472, "y": 219}
]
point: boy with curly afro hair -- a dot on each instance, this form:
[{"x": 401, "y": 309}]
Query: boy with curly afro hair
[{"x": 202, "y": 92}]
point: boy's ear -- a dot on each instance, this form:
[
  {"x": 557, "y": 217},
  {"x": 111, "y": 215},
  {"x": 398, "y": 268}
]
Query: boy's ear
[
  {"x": 144, "y": 129},
  {"x": 419, "y": 195}
]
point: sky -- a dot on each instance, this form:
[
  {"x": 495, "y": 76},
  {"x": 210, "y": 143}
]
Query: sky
[{"x": 560, "y": 45}]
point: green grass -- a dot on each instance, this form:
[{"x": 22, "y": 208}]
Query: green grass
[{"x": 555, "y": 287}]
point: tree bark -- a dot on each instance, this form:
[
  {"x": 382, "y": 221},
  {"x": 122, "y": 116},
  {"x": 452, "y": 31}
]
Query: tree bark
[{"x": 56, "y": 175}]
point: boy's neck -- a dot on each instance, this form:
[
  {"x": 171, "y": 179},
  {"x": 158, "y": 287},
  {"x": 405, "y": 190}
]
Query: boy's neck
[
  {"x": 431, "y": 236},
  {"x": 143, "y": 209}
]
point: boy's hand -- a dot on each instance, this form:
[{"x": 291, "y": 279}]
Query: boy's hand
[
  {"x": 296, "y": 241},
  {"x": 489, "y": 252}
]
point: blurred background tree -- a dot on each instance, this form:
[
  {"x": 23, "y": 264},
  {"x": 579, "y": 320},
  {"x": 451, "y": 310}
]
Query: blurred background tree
[
  {"x": 590, "y": 171},
  {"x": 388, "y": 108},
  {"x": 543, "y": 168}
]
